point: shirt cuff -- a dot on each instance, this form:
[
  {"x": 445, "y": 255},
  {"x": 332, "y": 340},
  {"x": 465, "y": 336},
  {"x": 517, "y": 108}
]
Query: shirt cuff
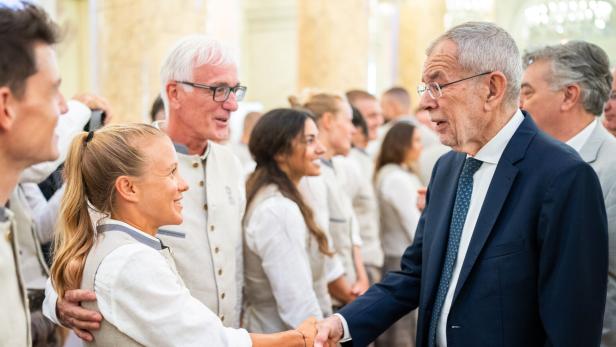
[
  {"x": 49, "y": 304},
  {"x": 346, "y": 336}
]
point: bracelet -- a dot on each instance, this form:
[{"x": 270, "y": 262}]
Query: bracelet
[{"x": 303, "y": 337}]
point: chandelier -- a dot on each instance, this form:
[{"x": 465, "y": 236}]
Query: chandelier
[{"x": 561, "y": 15}]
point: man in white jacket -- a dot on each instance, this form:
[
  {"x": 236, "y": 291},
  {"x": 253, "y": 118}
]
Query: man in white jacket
[{"x": 200, "y": 89}]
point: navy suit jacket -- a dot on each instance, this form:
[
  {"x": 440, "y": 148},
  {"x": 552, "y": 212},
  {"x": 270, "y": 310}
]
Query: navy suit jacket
[{"x": 535, "y": 271}]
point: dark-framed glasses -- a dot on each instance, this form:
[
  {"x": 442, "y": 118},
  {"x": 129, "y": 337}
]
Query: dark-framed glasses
[
  {"x": 220, "y": 93},
  {"x": 435, "y": 90}
]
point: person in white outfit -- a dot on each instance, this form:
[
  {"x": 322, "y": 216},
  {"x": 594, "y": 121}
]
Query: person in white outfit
[
  {"x": 130, "y": 175},
  {"x": 285, "y": 251},
  {"x": 396, "y": 182},
  {"x": 334, "y": 115}
]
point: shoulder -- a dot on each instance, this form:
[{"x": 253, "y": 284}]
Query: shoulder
[
  {"x": 223, "y": 155},
  {"x": 127, "y": 261}
]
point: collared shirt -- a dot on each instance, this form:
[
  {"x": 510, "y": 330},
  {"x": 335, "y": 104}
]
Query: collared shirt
[
  {"x": 578, "y": 141},
  {"x": 138, "y": 292},
  {"x": 490, "y": 155}
]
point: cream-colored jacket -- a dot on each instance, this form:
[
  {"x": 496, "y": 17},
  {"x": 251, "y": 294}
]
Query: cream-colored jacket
[
  {"x": 207, "y": 246},
  {"x": 15, "y": 317}
]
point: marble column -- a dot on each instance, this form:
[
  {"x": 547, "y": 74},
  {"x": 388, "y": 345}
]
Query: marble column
[
  {"x": 333, "y": 44},
  {"x": 420, "y": 23}
]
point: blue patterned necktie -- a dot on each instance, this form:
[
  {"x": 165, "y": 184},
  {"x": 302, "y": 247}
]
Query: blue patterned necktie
[{"x": 460, "y": 210}]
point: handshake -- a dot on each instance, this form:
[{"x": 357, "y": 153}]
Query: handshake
[{"x": 311, "y": 332}]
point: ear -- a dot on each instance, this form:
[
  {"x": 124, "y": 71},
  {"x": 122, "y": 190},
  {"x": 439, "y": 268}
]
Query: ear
[
  {"x": 571, "y": 97},
  {"x": 172, "y": 90},
  {"x": 7, "y": 116},
  {"x": 326, "y": 120},
  {"x": 126, "y": 189},
  {"x": 497, "y": 86}
]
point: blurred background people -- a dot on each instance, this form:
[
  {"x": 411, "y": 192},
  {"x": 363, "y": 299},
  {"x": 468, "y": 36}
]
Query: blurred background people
[
  {"x": 157, "y": 112},
  {"x": 285, "y": 251},
  {"x": 397, "y": 181},
  {"x": 334, "y": 120},
  {"x": 240, "y": 149},
  {"x": 360, "y": 168},
  {"x": 565, "y": 88},
  {"x": 396, "y": 105}
]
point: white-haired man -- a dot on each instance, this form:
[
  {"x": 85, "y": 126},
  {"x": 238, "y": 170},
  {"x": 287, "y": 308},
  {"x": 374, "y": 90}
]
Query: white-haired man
[
  {"x": 200, "y": 90},
  {"x": 511, "y": 247}
]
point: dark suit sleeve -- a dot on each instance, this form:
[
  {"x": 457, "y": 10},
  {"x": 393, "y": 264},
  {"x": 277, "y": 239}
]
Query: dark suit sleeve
[
  {"x": 396, "y": 295},
  {"x": 573, "y": 256}
]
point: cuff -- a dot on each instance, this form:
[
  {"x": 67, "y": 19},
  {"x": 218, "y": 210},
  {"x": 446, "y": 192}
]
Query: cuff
[
  {"x": 49, "y": 304},
  {"x": 346, "y": 336}
]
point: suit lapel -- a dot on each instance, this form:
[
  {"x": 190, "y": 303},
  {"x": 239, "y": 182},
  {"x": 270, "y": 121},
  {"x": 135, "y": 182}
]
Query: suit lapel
[
  {"x": 501, "y": 184},
  {"x": 444, "y": 195}
]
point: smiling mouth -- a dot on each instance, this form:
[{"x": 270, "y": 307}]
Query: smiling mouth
[{"x": 222, "y": 119}]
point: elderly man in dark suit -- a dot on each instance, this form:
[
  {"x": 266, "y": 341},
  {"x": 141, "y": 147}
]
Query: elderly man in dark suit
[{"x": 511, "y": 249}]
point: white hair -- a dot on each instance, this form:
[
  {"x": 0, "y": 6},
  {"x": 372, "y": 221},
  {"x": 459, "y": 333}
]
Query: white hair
[
  {"x": 486, "y": 47},
  {"x": 187, "y": 54}
]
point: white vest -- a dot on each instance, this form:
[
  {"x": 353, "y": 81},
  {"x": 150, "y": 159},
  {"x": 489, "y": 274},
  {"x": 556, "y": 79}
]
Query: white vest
[
  {"x": 15, "y": 317},
  {"x": 341, "y": 219},
  {"x": 207, "y": 246},
  {"x": 261, "y": 309},
  {"x": 366, "y": 207}
]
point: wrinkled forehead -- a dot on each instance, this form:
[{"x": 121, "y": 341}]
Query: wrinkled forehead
[
  {"x": 442, "y": 61},
  {"x": 221, "y": 74}
]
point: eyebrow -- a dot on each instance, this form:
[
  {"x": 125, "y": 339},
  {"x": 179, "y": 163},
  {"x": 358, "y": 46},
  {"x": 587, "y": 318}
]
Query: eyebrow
[{"x": 526, "y": 85}]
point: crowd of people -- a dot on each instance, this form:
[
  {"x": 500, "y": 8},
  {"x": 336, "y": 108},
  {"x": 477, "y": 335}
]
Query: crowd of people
[{"x": 484, "y": 217}]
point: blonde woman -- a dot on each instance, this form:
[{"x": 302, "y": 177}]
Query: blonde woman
[{"x": 129, "y": 174}]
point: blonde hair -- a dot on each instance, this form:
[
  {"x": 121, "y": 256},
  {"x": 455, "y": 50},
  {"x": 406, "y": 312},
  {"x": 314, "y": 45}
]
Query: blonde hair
[
  {"x": 318, "y": 103},
  {"x": 94, "y": 162}
]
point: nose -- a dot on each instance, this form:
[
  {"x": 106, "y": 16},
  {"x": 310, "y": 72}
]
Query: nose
[
  {"x": 231, "y": 103},
  {"x": 521, "y": 102},
  {"x": 62, "y": 104},
  {"x": 182, "y": 185},
  {"x": 320, "y": 150},
  {"x": 426, "y": 101}
]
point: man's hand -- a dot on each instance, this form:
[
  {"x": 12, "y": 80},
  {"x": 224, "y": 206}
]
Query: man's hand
[
  {"x": 95, "y": 102},
  {"x": 329, "y": 332},
  {"x": 421, "y": 198},
  {"x": 75, "y": 317}
]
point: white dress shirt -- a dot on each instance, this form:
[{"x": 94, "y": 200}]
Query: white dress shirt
[
  {"x": 138, "y": 292},
  {"x": 580, "y": 139},
  {"x": 490, "y": 155}
]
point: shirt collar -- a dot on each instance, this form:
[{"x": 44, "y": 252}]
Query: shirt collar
[
  {"x": 110, "y": 224},
  {"x": 182, "y": 149},
  {"x": 579, "y": 140},
  {"x": 492, "y": 151}
]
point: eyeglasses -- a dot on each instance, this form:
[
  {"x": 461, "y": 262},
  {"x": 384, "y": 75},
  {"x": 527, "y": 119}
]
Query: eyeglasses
[
  {"x": 436, "y": 90},
  {"x": 220, "y": 93}
]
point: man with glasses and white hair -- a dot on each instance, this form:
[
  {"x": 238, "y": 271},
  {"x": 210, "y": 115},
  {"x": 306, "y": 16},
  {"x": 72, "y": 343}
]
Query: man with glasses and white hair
[
  {"x": 609, "y": 112},
  {"x": 564, "y": 88},
  {"x": 511, "y": 249},
  {"x": 200, "y": 89}
]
